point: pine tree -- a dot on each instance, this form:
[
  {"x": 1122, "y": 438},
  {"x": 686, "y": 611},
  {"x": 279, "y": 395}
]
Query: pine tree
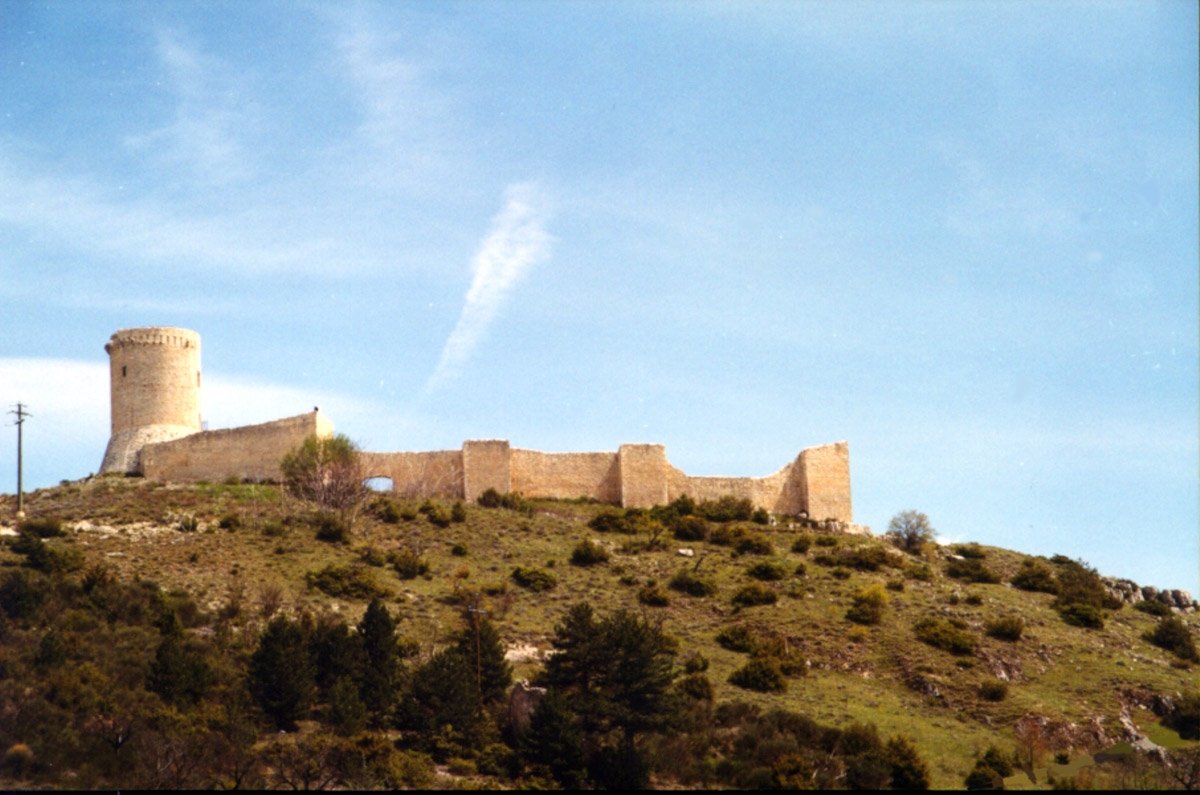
[
  {"x": 479, "y": 643},
  {"x": 282, "y": 675},
  {"x": 381, "y": 668},
  {"x": 179, "y": 674},
  {"x": 553, "y": 741}
]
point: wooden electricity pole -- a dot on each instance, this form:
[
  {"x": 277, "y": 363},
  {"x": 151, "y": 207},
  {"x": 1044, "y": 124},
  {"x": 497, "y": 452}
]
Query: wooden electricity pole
[{"x": 21, "y": 414}]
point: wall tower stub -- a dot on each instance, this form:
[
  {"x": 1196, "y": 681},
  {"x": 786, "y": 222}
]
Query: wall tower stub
[{"x": 154, "y": 378}]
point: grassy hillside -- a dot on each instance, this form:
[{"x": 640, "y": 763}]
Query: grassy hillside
[{"x": 245, "y": 551}]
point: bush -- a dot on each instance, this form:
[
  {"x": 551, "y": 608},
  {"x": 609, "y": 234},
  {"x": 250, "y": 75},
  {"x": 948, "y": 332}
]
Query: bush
[
  {"x": 1153, "y": 607},
  {"x": 458, "y": 512},
  {"x": 943, "y": 634},
  {"x": 895, "y": 585},
  {"x": 760, "y": 516},
  {"x": 273, "y": 529},
  {"x": 971, "y": 570},
  {"x": 826, "y": 541},
  {"x": 801, "y": 544},
  {"x": 993, "y": 691},
  {"x": 1035, "y": 577},
  {"x": 230, "y": 522},
  {"x": 385, "y": 510},
  {"x": 652, "y": 595},
  {"x": 767, "y": 570},
  {"x": 1184, "y": 716},
  {"x": 536, "y": 580},
  {"x": 922, "y": 573},
  {"x": 761, "y": 674},
  {"x": 437, "y": 515},
  {"x": 868, "y": 605},
  {"x": 330, "y": 528},
  {"x": 43, "y": 527},
  {"x": 458, "y": 550},
  {"x": 695, "y": 663},
  {"x": 1009, "y": 628},
  {"x": 692, "y": 584},
  {"x": 726, "y": 509},
  {"x": 613, "y": 522},
  {"x": 588, "y": 553},
  {"x": 970, "y": 551},
  {"x": 689, "y": 528},
  {"x": 696, "y": 686},
  {"x": 489, "y": 499},
  {"x": 840, "y": 573},
  {"x": 350, "y": 582},
  {"x": 754, "y": 544},
  {"x": 1082, "y": 615},
  {"x": 754, "y": 594},
  {"x": 1174, "y": 636},
  {"x": 737, "y": 638},
  {"x": 407, "y": 564}
]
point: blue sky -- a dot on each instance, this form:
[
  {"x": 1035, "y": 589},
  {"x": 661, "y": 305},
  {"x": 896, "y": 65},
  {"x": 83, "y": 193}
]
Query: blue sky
[{"x": 961, "y": 236}]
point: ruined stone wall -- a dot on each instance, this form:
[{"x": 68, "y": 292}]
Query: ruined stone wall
[
  {"x": 431, "y": 474},
  {"x": 251, "y": 451},
  {"x": 487, "y": 464},
  {"x": 826, "y": 476},
  {"x": 771, "y": 492},
  {"x": 566, "y": 475},
  {"x": 643, "y": 475}
]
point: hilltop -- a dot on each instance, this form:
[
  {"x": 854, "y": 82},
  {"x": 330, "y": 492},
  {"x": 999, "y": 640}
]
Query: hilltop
[{"x": 232, "y": 555}]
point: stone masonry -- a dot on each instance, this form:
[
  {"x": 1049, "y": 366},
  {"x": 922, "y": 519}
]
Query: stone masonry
[{"x": 156, "y": 432}]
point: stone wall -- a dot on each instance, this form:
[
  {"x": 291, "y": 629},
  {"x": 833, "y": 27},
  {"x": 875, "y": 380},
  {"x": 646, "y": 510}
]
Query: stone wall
[
  {"x": 432, "y": 474},
  {"x": 826, "y": 476},
  {"x": 643, "y": 475},
  {"x": 567, "y": 475},
  {"x": 251, "y": 451},
  {"x": 486, "y": 465}
]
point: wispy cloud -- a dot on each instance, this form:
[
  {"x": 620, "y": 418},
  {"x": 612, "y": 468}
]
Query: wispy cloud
[
  {"x": 517, "y": 241},
  {"x": 210, "y": 111}
]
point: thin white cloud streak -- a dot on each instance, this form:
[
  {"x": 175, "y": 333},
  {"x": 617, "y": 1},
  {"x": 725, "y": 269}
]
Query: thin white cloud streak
[
  {"x": 210, "y": 109},
  {"x": 518, "y": 240}
]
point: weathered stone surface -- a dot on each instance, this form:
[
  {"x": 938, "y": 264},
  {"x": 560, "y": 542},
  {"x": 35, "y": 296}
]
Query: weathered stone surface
[{"x": 522, "y": 701}]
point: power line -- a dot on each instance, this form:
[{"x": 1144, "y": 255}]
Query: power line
[{"x": 21, "y": 415}]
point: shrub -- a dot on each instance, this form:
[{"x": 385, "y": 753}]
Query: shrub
[
  {"x": 43, "y": 527},
  {"x": 761, "y": 674},
  {"x": 826, "y": 541},
  {"x": 754, "y": 544},
  {"x": 868, "y": 605},
  {"x": 1079, "y": 583},
  {"x": 973, "y": 599},
  {"x": 801, "y": 544},
  {"x": 1174, "y": 636},
  {"x": 943, "y": 634},
  {"x": 652, "y": 595},
  {"x": 726, "y": 509},
  {"x": 971, "y": 570},
  {"x": 458, "y": 512},
  {"x": 760, "y": 516},
  {"x": 692, "y": 584},
  {"x": 372, "y": 556},
  {"x": 864, "y": 558},
  {"x": 459, "y": 550},
  {"x": 1153, "y": 607},
  {"x": 921, "y": 572},
  {"x": 695, "y": 663},
  {"x": 330, "y": 528},
  {"x": 970, "y": 551},
  {"x": 327, "y": 471},
  {"x": 588, "y": 553},
  {"x": 1009, "y": 628},
  {"x": 737, "y": 638},
  {"x": 350, "y": 582},
  {"x": 840, "y": 573},
  {"x": 1082, "y": 615},
  {"x": 801, "y": 570},
  {"x": 230, "y": 522},
  {"x": 993, "y": 691},
  {"x": 437, "y": 515},
  {"x": 895, "y": 585},
  {"x": 188, "y": 523},
  {"x": 1184, "y": 716},
  {"x": 696, "y": 686},
  {"x": 273, "y": 529},
  {"x": 536, "y": 580},
  {"x": 613, "y": 522},
  {"x": 754, "y": 594},
  {"x": 385, "y": 510},
  {"x": 407, "y": 564},
  {"x": 1036, "y": 577},
  {"x": 725, "y": 536},
  {"x": 689, "y": 528},
  {"x": 768, "y": 570},
  {"x": 999, "y": 761},
  {"x": 489, "y": 499}
]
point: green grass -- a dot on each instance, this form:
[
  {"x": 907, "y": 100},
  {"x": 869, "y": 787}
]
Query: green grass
[{"x": 885, "y": 676}]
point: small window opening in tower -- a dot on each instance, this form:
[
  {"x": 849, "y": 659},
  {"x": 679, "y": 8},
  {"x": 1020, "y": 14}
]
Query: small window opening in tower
[
  {"x": 122, "y": 371},
  {"x": 197, "y": 378}
]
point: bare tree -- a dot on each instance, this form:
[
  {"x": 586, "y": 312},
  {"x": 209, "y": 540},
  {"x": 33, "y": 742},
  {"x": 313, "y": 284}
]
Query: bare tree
[
  {"x": 327, "y": 471},
  {"x": 910, "y": 530}
]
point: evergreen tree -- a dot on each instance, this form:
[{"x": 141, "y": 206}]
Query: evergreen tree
[
  {"x": 909, "y": 770},
  {"x": 444, "y": 694},
  {"x": 381, "y": 668},
  {"x": 180, "y": 674},
  {"x": 578, "y": 664},
  {"x": 337, "y": 652},
  {"x": 282, "y": 674},
  {"x": 553, "y": 741},
  {"x": 347, "y": 713},
  {"x": 479, "y": 643}
]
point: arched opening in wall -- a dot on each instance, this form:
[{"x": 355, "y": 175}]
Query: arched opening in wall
[{"x": 379, "y": 483}]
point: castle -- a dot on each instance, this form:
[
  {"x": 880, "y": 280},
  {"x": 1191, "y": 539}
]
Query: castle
[{"x": 157, "y": 432}]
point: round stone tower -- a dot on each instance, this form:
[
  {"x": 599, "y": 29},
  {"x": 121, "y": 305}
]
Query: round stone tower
[{"x": 154, "y": 374}]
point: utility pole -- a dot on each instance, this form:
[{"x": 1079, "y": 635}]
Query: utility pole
[{"x": 21, "y": 414}]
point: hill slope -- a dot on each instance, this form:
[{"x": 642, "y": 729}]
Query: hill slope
[{"x": 1076, "y": 684}]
